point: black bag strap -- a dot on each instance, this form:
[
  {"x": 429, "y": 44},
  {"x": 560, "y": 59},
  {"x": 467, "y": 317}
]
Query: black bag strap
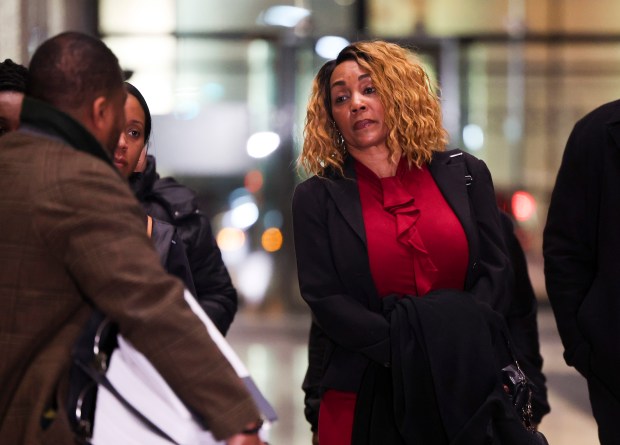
[{"x": 102, "y": 380}]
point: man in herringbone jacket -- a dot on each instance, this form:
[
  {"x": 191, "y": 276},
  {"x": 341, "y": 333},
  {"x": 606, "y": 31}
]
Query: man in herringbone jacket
[{"x": 72, "y": 237}]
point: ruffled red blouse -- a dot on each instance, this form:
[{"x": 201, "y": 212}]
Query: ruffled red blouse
[{"x": 415, "y": 241}]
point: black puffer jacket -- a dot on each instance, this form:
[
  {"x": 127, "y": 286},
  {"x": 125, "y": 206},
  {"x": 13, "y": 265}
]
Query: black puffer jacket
[{"x": 167, "y": 200}]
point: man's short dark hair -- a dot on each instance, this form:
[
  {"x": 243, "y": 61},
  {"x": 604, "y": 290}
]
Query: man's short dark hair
[
  {"x": 13, "y": 76},
  {"x": 73, "y": 69}
]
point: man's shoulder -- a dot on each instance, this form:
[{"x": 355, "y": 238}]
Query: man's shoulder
[
  {"x": 608, "y": 113},
  {"x": 25, "y": 141},
  {"x": 50, "y": 157}
]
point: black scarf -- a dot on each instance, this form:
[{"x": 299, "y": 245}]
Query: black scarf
[{"x": 49, "y": 120}]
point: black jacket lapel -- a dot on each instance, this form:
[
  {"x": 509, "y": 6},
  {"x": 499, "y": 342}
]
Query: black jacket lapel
[
  {"x": 450, "y": 173},
  {"x": 345, "y": 194}
]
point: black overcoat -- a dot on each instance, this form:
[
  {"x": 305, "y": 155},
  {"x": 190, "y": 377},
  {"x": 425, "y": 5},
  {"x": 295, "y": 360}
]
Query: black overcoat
[
  {"x": 581, "y": 247},
  {"x": 334, "y": 272}
]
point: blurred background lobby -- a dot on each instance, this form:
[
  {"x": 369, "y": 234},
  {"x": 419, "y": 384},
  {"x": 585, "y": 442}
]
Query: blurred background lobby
[{"x": 228, "y": 81}]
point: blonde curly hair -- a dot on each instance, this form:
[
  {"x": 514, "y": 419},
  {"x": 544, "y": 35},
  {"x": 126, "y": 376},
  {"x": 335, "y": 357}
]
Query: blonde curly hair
[{"x": 412, "y": 108}]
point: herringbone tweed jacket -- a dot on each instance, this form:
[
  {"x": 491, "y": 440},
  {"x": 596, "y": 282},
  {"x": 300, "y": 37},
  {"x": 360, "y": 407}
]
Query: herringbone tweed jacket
[{"x": 71, "y": 235}]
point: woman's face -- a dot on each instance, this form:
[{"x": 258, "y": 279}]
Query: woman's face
[
  {"x": 131, "y": 142},
  {"x": 356, "y": 107},
  {"x": 10, "y": 107}
]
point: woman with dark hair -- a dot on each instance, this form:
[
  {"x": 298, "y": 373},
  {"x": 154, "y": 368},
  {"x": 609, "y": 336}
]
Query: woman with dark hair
[
  {"x": 390, "y": 216},
  {"x": 180, "y": 231},
  {"x": 134, "y": 140}
]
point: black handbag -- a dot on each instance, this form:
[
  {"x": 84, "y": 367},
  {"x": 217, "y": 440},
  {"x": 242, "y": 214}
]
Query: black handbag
[
  {"x": 92, "y": 350},
  {"x": 519, "y": 390},
  {"x": 91, "y": 356}
]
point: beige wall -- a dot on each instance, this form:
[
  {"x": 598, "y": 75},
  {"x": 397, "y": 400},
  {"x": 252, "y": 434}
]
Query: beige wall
[
  {"x": 10, "y": 31},
  {"x": 455, "y": 17}
]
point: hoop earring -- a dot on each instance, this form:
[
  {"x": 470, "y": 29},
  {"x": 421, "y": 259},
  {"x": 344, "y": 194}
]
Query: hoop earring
[
  {"x": 340, "y": 141},
  {"x": 338, "y": 138}
]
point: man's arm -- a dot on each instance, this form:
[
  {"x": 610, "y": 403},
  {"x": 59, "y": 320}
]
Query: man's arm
[
  {"x": 95, "y": 226},
  {"x": 569, "y": 240}
]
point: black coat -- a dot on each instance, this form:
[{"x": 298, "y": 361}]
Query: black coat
[
  {"x": 521, "y": 321},
  {"x": 581, "y": 247},
  {"x": 172, "y": 252},
  {"x": 167, "y": 200},
  {"x": 445, "y": 385},
  {"x": 333, "y": 268}
]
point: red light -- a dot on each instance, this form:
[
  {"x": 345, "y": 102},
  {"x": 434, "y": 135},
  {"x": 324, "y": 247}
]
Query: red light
[
  {"x": 253, "y": 181},
  {"x": 523, "y": 205}
]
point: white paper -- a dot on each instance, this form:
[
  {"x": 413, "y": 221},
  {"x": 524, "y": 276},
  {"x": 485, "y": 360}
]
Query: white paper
[{"x": 135, "y": 378}]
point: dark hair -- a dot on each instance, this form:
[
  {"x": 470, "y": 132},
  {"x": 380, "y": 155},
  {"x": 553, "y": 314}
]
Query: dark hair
[
  {"x": 322, "y": 79},
  {"x": 73, "y": 69},
  {"x": 325, "y": 73},
  {"x": 147, "y": 114},
  {"x": 13, "y": 76}
]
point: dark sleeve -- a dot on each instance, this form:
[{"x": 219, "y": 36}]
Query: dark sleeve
[
  {"x": 176, "y": 261},
  {"x": 522, "y": 322},
  {"x": 493, "y": 272},
  {"x": 317, "y": 348},
  {"x": 569, "y": 237},
  {"x": 342, "y": 317},
  {"x": 215, "y": 291}
]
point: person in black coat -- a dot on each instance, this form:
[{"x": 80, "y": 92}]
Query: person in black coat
[
  {"x": 520, "y": 319},
  {"x": 373, "y": 120},
  {"x": 581, "y": 241},
  {"x": 182, "y": 232}
]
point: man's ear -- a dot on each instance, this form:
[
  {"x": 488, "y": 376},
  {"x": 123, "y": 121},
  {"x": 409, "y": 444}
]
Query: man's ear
[{"x": 100, "y": 113}]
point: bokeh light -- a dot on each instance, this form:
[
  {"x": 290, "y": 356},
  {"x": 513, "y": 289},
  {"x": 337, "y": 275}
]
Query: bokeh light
[
  {"x": 523, "y": 205},
  {"x": 271, "y": 240},
  {"x": 262, "y": 144},
  {"x": 230, "y": 238},
  {"x": 253, "y": 181}
]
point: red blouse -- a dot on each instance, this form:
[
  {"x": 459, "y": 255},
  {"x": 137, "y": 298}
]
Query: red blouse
[{"x": 415, "y": 241}]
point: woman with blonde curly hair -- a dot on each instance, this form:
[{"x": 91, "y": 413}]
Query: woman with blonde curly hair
[{"x": 390, "y": 215}]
